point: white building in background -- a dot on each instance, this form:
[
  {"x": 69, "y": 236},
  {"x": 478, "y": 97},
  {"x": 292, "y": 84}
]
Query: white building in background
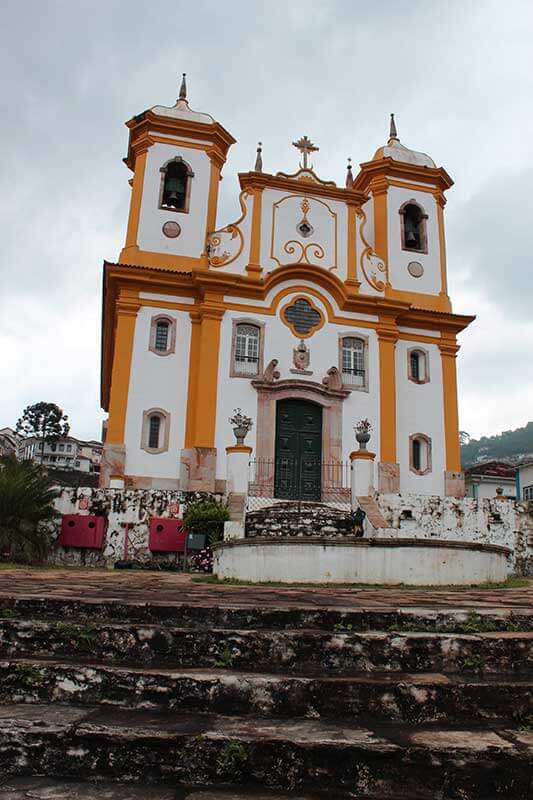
[
  {"x": 9, "y": 442},
  {"x": 491, "y": 479},
  {"x": 67, "y": 453},
  {"x": 524, "y": 481},
  {"x": 320, "y": 306}
]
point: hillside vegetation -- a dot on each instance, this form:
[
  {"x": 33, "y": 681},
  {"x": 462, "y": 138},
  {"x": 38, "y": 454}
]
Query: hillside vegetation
[{"x": 508, "y": 445}]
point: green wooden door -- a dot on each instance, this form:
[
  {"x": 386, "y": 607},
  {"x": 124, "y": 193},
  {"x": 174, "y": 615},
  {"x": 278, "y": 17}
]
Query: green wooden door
[{"x": 298, "y": 450}]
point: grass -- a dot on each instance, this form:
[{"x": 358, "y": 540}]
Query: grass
[{"x": 511, "y": 583}]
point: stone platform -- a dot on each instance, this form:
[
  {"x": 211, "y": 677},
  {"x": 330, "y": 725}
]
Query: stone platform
[{"x": 119, "y": 686}]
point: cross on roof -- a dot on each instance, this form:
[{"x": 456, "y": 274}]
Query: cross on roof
[{"x": 305, "y": 146}]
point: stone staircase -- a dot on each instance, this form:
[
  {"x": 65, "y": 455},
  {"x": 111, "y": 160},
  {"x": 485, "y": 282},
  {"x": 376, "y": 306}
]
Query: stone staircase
[
  {"x": 373, "y": 513},
  {"x": 107, "y": 699},
  {"x": 298, "y": 519}
]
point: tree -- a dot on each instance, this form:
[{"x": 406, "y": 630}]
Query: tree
[
  {"x": 45, "y": 421},
  {"x": 26, "y": 503}
]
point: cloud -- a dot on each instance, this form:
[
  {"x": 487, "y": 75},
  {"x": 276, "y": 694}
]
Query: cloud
[{"x": 455, "y": 74}]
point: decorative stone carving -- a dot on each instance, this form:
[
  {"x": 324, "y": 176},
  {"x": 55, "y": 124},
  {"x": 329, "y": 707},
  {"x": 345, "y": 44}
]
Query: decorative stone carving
[
  {"x": 301, "y": 357},
  {"x": 270, "y": 373},
  {"x": 333, "y": 379}
]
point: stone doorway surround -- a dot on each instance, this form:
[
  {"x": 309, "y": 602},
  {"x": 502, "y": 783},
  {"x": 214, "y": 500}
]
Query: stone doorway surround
[{"x": 329, "y": 395}]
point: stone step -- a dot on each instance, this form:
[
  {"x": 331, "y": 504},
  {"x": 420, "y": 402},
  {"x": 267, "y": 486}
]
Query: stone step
[
  {"x": 290, "y": 519},
  {"x": 383, "y": 696},
  {"x": 298, "y": 650},
  {"x": 373, "y": 512},
  {"x": 473, "y": 763},
  {"x": 50, "y": 789},
  {"x": 242, "y": 617}
]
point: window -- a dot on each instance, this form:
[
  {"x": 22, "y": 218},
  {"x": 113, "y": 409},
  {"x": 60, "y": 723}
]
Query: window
[
  {"x": 76, "y": 463},
  {"x": 162, "y": 335},
  {"x": 414, "y": 235},
  {"x": 69, "y": 448},
  {"x": 353, "y": 361},
  {"x": 528, "y": 492},
  {"x": 176, "y": 177},
  {"x": 247, "y": 349},
  {"x": 420, "y": 453},
  {"x": 61, "y": 448},
  {"x": 418, "y": 365},
  {"x": 155, "y": 430}
]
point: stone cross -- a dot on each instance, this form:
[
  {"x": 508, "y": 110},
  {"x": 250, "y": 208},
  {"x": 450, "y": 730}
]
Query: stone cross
[{"x": 305, "y": 146}]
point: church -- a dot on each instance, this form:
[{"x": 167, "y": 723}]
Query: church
[{"x": 321, "y": 307}]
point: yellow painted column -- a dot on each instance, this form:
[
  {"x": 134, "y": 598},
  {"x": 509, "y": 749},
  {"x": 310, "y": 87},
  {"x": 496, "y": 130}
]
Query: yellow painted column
[
  {"x": 448, "y": 351},
  {"x": 379, "y": 188},
  {"x": 203, "y": 377},
  {"x": 351, "y": 246},
  {"x": 441, "y": 201},
  {"x": 136, "y": 199},
  {"x": 127, "y": 307},
  {"x": 387, "y": 338},
  {"x": 254, "y": 267}
]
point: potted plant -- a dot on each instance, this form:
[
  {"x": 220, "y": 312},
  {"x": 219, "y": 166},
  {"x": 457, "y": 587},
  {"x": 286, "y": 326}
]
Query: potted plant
[
  {"x": 362, "y": 433},
  {"x": 241, "y": 424}
]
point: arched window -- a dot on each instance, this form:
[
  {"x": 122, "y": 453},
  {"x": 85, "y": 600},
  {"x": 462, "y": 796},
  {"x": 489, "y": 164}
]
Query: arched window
[
  {"x": 155, "y": 430},
  {"x": 353, "y": 361},
  {"x": 246, "y": 349},
  {"x": 418, "y": 365},
  {"x": 162, "y": 335},
  {"x": 414, "y": 235},
  {"x": 176, "y": 176},
  {"x": 420, "y": 453}
]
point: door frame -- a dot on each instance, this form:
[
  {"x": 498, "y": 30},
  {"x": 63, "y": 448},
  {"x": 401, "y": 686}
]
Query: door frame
[{"x": 298, "y": 457}]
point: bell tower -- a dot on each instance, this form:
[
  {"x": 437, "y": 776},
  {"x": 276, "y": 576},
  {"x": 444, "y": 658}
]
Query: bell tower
[{"x": 176, "y": 155}]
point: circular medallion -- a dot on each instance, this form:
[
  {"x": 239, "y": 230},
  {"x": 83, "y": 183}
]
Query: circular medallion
[
  {"x": 415, "y": 269},
  {"x": 171, "y": 229},
  {"x": 305, "y": 229}
]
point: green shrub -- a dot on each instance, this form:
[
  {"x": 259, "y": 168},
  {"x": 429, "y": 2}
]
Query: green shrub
[
  {"x": 26, "y": 503},
  {"x": 208, "y": 517}
]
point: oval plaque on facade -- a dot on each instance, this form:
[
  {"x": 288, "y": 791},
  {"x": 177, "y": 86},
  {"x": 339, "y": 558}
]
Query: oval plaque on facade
[
  {"x": 171, "y": 229},
  {"x": 415, "y": 269}
]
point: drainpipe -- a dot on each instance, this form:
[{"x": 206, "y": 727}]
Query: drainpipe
[{"x": 517, "y": 484}]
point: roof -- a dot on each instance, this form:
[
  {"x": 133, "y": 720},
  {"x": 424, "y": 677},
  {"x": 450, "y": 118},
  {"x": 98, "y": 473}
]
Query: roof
[
  {"x": 493, "y": 469},
  {"x": 398, "y": 152}
]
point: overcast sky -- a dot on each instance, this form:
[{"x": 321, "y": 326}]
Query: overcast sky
[{"x": 458, "y": 75}]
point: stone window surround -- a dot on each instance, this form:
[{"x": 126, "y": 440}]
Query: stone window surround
[
  {"x": 164, "y": 430},
  {"x": 365, "y": 339},
  {"x": 233, "y": 372},
  {"x": 268, "y": 394},
  {"x": 427, "y": 442},
  {"x": 190, "y": 176},
  {"x": 425, "y": 354},
  {"x": 423, "y": 227},
  {"x": 171, "y": 342}
]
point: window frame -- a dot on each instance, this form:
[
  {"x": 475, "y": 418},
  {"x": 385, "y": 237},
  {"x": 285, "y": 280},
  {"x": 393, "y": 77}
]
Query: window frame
[
  {"x": 164, "y": 430},
  {"x": 421, "y": 352},
  {"x": 234, "y": 372},
  {"x": 171, "y": 341},
  {"x": 529, "y": 490},
  {"x": 364, "y": 338},
  {"x": 190, "y": 175},
  {"x": 423, "y": 227},
  {"x": 421, "y": 437}
]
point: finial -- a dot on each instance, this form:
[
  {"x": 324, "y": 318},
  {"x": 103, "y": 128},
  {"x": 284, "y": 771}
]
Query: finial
[
  {"x": 259, "y": 160},
  {"x": 183, "y": 88},
  {"x": 305, "y": 146},
  {"x": 349, "y": 176},
  {"x": 393, "y": 133}
]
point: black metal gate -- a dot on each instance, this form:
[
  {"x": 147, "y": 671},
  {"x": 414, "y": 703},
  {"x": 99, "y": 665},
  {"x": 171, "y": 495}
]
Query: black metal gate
[{"x": 297, "y": 473}]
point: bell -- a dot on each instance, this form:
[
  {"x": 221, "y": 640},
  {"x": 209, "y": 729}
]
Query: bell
[
  {"x": 411, "y": 238},
  {"x": 172, "y": 199}
]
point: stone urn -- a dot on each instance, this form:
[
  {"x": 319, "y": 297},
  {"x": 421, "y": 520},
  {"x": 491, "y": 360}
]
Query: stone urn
[
  {"x": 240, "y": 432},
  {"x": 362, "y": 433},
  {"x": 241, "y": 425}
]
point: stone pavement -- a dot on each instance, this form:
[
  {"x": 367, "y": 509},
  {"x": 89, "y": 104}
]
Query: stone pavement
[{"x": 155, "y": 587}]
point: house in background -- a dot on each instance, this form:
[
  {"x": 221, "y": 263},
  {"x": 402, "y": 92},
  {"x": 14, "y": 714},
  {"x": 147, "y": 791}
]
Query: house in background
[
  {"x": 483, "y": 480},
  {"x": 524, "y": 481},
  {"x": 9, "y": 442},
  {"x": 67, "y": 453}
]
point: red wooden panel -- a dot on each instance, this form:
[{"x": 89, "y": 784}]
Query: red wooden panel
[
  {"x": 82, "y": 530},
  {"x": 167, "y": 535}
]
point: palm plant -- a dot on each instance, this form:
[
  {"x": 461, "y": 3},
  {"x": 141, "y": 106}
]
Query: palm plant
[{"x": 26, "y": 503}]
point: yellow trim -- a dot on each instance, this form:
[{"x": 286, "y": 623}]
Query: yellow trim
[
  {"x": 239, "y": 448},
  {"x": 254, "y": 267},
  {"x": 387, "y": 337},
  {"x": 434, "y": 302},
  {"x": 448, "y": 351},
  {"x": 146, "y": 258},
  {"x": 127, "y": 307},
  {"x": 135, "y": 202},
  {"x": 205, "y": 146},
  {"x": 212, "y": 200},
  {"x": 203, "y": 376},
  {"x": 381, "y": 220},
  {"x": 362, "y": 455},
  {"x": 442, "y": 245},
  {"x": 351, "y": 247},
  {"x": 413, "y": 187},
  {"x": 291, "y": 327}
]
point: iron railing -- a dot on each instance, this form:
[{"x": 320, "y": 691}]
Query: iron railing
[{"x": 304, "y": 480}]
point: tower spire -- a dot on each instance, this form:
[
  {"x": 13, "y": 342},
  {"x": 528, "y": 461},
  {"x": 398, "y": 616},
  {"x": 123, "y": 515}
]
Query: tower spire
[
  {"x": 183, "y": 88},
  {"x": 259, "y": 159},
  {"x": 349, "y": 176},
  {"x": 393, "y": 133}
]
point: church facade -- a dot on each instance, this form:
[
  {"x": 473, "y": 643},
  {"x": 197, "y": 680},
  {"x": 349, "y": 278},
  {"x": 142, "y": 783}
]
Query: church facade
[{"x": 319, "y": 307}]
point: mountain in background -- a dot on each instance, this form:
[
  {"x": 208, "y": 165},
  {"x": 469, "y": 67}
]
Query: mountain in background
[{"x": 506, "y": 446}]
